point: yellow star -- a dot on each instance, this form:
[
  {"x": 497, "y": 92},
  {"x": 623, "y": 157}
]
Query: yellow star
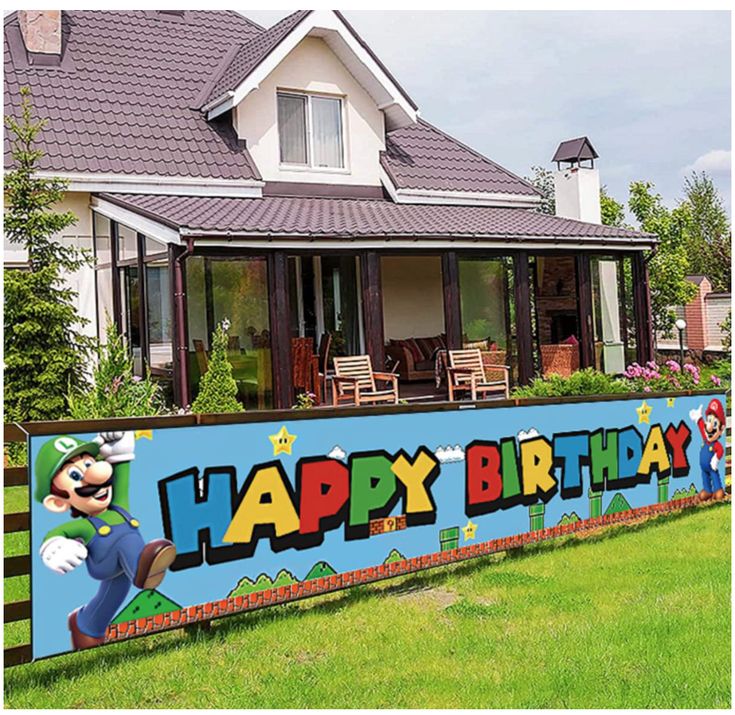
[
  {"x": 644, "y": 413},
  {"x": 670, "y": 401},
  {"x": 469, "y": 530},
  {"x": 147, "y": 433},
  {"x": 282, "y": 441}
]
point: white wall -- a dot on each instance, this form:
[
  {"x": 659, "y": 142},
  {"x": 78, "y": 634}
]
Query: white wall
[
  {"x": 413, "y": 297},
  {"x": 717, "y": 305},
  {"x": 312, "y": 67},
  {"x": 80, "y": 235},
  {"x": 577, "y": 194}
]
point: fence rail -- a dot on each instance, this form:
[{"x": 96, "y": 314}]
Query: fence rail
[{"x": 17, "y": 476}]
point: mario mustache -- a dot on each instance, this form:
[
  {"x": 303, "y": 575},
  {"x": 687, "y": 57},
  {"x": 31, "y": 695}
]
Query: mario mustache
[{"x": 89, "y": 490}]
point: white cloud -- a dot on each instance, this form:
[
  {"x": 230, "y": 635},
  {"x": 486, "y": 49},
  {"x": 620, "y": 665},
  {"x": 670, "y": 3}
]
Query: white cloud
[
  {"x": 449, "y": 454},
  {"x": 716, "y": 161},
  {"x": 337, "y": 453},
  {"x": 527, "y": 434}
]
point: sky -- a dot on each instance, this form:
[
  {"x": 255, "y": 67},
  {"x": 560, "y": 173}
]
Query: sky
[{"x": 650, "y": 89}]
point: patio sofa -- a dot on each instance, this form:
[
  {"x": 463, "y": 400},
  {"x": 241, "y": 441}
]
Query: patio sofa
[{"x": 415, "y": 356}]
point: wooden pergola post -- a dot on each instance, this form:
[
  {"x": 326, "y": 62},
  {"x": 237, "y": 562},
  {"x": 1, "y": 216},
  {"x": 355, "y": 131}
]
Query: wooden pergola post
[
  {"x": 524, "y": 331},
  {"x": 642, "y": 308},
  {"x": 372, "y": 307},
  {"x": 584, "y": 311},
  {"x": 279, "y": 309},
  {"x": 452, "y": 306},
  {"x": 179, "y": 336}
]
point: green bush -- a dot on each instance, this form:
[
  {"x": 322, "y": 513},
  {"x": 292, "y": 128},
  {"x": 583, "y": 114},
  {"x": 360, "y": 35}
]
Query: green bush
[
  {"x": 218, "y": 389},
  {"x": 116, "y": 390},
  {"x": 582, "y": 382}
]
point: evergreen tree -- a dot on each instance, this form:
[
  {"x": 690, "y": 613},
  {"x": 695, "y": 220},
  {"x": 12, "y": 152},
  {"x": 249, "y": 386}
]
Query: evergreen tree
[
  {"x": 218, "y": 389},
  {"x": 45, "y": 349},
  {"x": 709, "y": 237}
]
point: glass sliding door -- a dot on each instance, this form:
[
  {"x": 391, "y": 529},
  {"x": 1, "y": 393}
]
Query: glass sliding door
[
  {"x": 340, "y": 303},
  {"x": 488, "y": 308},
  {"x": 131, "y": 302},
  {"x": 236, "y": 290}
]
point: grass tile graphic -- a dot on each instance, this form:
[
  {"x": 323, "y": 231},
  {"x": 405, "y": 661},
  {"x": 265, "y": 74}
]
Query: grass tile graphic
[
  {"x": 684, "y": 493},
  {"x": 617, "y": 504},
  {"x": 246, "y": 586},
  {"x": 572, "y": 518},
  {"x": 320, "y": 569},
  {"x": 144, "y": 604},
  {"x": 394, "y": 556}
]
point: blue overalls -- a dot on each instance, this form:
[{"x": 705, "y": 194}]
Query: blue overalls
[
  {"x": 112, "y": 558},
  {"x": 710, "y": 477}
]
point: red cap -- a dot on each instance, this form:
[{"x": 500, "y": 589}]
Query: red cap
[{"x": 715, "y": 408}]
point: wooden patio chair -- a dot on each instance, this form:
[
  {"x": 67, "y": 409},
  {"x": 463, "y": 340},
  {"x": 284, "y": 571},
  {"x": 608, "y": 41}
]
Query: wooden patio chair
[
  {"x": 467, "y": 372},
  {"x": 355, "y": 381}
]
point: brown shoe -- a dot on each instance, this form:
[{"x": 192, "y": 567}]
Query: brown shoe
[
  {"x": 155, "y": 558},
  {"x": 704, "y": 495},
  {"x": 719, "y": 494},
  {"x": 79, "y": 640}
]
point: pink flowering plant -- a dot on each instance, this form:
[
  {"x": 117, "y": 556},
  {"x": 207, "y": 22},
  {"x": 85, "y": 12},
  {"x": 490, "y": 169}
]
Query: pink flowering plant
[{"x": 666, "y": 377}]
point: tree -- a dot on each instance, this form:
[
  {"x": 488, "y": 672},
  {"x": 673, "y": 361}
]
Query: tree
[
  {"x": 668, "y": 265},
  {"x": 117, "y": 391},
  {"x": 218, "y": 389},
  {"x": 543, "y": 180},
  {"x": 709, "y": 236},
  {"x": 612, "y": 211},
  {"x": 45, "y": 349}
]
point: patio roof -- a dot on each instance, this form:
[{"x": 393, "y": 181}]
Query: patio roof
[{"x": 331, "y": 219}]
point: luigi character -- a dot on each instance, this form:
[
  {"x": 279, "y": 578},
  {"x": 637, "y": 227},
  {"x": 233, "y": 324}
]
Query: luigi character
[
  {"x": 711, "y": 428},
  {"x": 91, "y": 480}
]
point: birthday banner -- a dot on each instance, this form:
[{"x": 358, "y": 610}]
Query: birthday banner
[{"x": 140, "y": 531}]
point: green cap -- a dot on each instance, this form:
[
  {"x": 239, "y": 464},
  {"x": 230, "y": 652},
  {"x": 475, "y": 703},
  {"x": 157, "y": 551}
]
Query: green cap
[{"x": 53, "y": 455}]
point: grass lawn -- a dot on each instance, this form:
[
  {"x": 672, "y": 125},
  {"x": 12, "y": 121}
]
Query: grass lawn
[{"x": 633, "y": 617}]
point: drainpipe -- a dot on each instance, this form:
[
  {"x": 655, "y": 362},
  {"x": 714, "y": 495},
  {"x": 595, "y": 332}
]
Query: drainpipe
[{"x": 180, "y": 308}]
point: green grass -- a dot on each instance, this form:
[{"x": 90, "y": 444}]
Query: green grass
[{"x": 633, "y": 617}]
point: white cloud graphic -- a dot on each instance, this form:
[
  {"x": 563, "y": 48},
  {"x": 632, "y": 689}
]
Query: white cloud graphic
[
  {"x": 448, "y": 454},
  {"x": 530, "y": 433},
  {"x": 337, "y": 453}
]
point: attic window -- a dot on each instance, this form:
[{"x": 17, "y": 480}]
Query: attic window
[{"x": 310, "y": 131}]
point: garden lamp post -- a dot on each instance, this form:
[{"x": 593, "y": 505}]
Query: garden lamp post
[{"x": 681, "y": 325}]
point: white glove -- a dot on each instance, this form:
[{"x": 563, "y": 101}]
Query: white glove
[
  {"x": 116, "y": 447},
  {"x": 714, "y": 462},
  {"x": 61, "y": 554},
  {"x": 696, "y": 415}
]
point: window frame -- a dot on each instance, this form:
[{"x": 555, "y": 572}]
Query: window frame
[{"x": 310, "y": 166}]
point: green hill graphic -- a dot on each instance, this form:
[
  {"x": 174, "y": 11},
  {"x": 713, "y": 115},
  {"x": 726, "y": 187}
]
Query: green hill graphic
[
  {"x": 146, "y": 603},
  {"x": 617, "y": 504},
  {"x": 246, "y": 586},
  {"x": 572, "y": 518},
  {"x": 394, "y": 556},
  {"x": 319, "y": 570},
  {"x": 684, "y": 493}
]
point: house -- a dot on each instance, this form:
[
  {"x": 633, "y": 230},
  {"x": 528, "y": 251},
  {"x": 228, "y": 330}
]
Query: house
[{"x": 284, "y": 179}]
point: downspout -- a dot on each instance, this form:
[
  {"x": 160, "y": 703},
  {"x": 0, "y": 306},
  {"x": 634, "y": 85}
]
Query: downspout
[{"x": 180, "y": 307}]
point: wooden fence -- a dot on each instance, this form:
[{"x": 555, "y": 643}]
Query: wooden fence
[{"x": 19, "y": 565}]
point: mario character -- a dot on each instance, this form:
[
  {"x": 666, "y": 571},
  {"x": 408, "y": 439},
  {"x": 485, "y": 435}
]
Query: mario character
[
  {"x": 711, "y": 428},
  {"x": 91, "y": 480}
]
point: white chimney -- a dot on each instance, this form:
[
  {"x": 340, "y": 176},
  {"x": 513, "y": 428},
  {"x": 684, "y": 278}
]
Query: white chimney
[
  {"x": 576, "y": 181},
  {"x": 41, "y": 30},
  {"x": 577, "y": 196}
]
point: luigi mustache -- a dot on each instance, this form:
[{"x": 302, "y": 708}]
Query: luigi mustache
[{"x": 91, "y": 481}]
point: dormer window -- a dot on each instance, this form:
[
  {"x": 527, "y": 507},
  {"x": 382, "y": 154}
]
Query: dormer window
[{"x": 310, "y": 131}]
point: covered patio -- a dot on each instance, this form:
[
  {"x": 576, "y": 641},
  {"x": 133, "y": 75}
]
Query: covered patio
[{"x": 402, "y": 283}]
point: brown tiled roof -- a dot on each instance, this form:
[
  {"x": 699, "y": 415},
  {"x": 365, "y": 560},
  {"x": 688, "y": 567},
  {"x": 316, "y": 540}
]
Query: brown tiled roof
[
  {"x": 363, "y": 218},
  {"x": 250, "y": 54},
  {"x": 123, "y": 100},
  {"x": 420, "y": 156}
]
